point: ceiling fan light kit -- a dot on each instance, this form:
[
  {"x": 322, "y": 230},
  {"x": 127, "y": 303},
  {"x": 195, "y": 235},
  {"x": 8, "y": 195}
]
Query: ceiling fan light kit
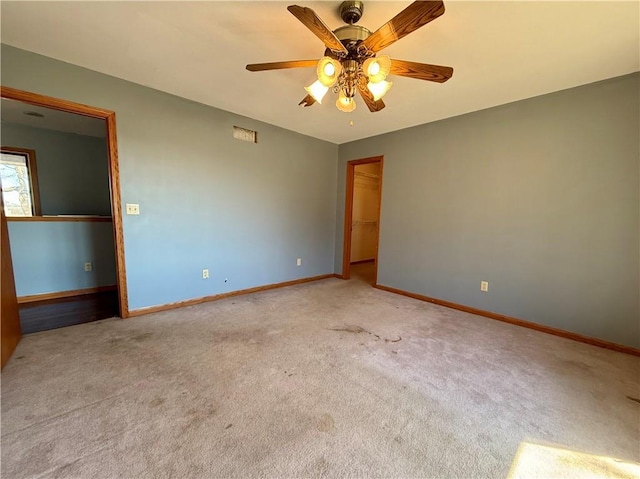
[
  {"x": 328, "y": 71},
  {"x": 344, "y": 103},
  {"x": 351, "y": 63},
  {"x": 377, "y": 68},
  {"x": 317, "y": 90},
  {"x": 379, "y": 89}
]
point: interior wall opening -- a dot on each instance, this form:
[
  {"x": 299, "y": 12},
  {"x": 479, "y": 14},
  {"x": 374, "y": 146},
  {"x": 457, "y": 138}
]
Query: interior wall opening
[
  {"x": 56, "y": 188},
  {"x": 362, "y": 219}
]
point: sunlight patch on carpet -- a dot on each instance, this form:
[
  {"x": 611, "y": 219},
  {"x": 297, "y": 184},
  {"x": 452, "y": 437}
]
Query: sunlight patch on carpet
[{"x": 544, "y": 461}]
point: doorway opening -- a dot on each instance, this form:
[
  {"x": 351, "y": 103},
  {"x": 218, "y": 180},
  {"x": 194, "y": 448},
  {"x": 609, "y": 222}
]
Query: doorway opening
[
  {"x": 362, "y": 219},
  {"x": 87, "y": 279}
]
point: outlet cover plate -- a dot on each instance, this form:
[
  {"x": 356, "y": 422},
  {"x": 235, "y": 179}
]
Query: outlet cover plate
[{"x": 133, "y": 209}]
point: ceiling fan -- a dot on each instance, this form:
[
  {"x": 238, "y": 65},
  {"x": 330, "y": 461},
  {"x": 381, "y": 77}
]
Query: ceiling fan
[{"x": 351, "y": 62}]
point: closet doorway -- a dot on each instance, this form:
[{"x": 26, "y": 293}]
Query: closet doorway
[{"x": 362, "y": 219}]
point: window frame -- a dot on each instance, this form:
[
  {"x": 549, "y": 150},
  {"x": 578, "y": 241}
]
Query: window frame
[{"x": 33, "y": 177}]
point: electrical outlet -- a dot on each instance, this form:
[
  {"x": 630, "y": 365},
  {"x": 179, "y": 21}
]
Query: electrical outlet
[
  {"x": 299, "y": 262},
  {"x": 133, "y": 209},
  {"x": 88, "y": 267},
  {"x": 205, "y": 274},
  {"x": 484, "y": 286}
]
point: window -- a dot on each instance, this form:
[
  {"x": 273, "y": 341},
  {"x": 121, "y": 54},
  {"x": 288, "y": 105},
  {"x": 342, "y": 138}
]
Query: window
[{"x": 19, "y": 181}]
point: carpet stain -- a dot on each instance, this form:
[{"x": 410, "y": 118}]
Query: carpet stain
[
  {"x": 228, "y": 426},
  {"x": 202, "y": 413},
  {"x": 351, "y": 329},
  {"x": 196, "y": 417},
  {"x": 325, "y": 423},
  {"x": 359, "y": 329},
  {"x": 141, "y": 337},
  {"x": 157, "y": 402},
  {"x": 579, "y": 365},
  {"x": 138, "y": 338}
]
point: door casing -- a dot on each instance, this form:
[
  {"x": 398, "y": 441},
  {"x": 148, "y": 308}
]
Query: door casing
[
  {"x": 114, "y": 172},
  {"x": 10, "y": 332},
  {"x": 348, "y": 214}
]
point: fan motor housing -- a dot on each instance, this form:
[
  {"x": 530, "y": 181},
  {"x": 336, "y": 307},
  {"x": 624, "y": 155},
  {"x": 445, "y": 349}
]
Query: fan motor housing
[{"x": 351, "y": 33}]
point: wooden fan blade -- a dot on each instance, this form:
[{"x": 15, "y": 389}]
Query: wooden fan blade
[
  {"x": 258, "y": 67},
  {"x": 408, "y": 20},
  {"x": 372, "y": 104},
  {"x": 420, "y": 71},
  {"x": 307, "y": 101},
  {"x": 310, "y": 20}
]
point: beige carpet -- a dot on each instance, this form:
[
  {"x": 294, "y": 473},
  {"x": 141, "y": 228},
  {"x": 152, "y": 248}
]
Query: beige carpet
[{"x": 332, "y": 378}]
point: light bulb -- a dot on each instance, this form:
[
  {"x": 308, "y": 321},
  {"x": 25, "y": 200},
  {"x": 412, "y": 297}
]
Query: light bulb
[
  {"x": 380, "y": 89},
  {"x": 345, "y": 103},
  {"x": 317, "y": 90},
  {"x": 328, "y": 71},
  {"x": 377, "y": 68}
]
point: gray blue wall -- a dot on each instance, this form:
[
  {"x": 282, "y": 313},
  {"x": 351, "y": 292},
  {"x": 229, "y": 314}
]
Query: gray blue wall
[
  {"x": 245, "y": 211},
  {"x": 50, "y": 256},
  {"x": 73, "y": 170},
  {"x": 539, "y": 197}
]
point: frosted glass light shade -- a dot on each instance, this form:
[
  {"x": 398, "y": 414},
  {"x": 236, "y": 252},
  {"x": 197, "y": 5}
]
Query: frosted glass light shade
[
  {"x": 380, "y": 89},
  {"x": 377, "y": 68},
  {"x": 317, "y": 90},
  {"x": 328, "y": 71},
  {"x": 344, "y": 103}
]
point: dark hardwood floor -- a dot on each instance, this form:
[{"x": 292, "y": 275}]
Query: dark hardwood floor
[
  {"x": 364, "y": 271},
  {"x": 58, "y": 313}
]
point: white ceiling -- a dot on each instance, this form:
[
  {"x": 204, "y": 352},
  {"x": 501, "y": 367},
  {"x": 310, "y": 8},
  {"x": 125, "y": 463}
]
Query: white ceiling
[
  {"x": 501, "y": 51},
  {"x": 15, "y": 112}
]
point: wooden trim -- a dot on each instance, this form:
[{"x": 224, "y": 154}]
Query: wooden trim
[
  {"x": 86, "y": 219},
  {"x": 116, "y": 213},
  {"x": 348, "y": 220},
  {"x": 375, "y": 271},
  {"x": 348, "y": 214},
  {"x": 518, "y": 322},
  {"x": 32, "y": 167},
  {"x": 114, "y": 170},
  {"x": 54, "y": 103},
  {"x": 32, "y": 298},
  {"x": 215, "y": 297},
  {"x": 10, "y": 331},
  {"x": 365, "y": 161}
]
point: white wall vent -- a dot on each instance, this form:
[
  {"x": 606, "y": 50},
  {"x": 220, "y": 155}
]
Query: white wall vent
[{"x": 245, "y": 135}]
